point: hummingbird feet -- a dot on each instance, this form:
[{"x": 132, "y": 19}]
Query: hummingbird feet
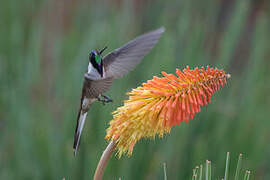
[{"x": 105, "y": 99}]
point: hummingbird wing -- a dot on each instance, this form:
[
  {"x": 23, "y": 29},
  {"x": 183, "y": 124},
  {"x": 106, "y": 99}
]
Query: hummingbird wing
[
  {"x": 94, "y": 88},
  {"x": 122, "y": 60}
]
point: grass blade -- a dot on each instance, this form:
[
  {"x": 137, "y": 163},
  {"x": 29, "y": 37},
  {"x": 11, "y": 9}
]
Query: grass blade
[
  {"x": 208, "y": 170},
  {"x": 247, "y": 174},
  {"x": 201, "y": 171},
  {"x": 195, "y": 173},
  {"x": 238, "y": 168},
  {"x": 165, "y": 171},
  {"x": 227, "y": 166}
]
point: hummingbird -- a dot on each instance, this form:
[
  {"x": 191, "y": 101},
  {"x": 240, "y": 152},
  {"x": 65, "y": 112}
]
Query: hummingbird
[{"x": 102, "y": 71}]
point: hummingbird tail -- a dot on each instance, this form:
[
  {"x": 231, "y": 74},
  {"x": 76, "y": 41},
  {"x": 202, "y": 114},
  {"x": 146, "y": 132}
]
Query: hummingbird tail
[{"x": 78, "y": 131}]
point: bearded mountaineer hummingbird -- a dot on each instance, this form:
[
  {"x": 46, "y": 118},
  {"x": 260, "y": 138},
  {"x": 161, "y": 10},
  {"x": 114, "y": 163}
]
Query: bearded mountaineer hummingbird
[{"x": 102, "y": 71}]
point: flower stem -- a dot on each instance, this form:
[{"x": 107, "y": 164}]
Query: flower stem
[{"x": 104, "y": 160}]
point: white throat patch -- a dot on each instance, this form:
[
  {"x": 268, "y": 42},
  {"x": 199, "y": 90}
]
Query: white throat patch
[
  {"x": 91, "y": 69},
  {"x": 93, "y": 73}
]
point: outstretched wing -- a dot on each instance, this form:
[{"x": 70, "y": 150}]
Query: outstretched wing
[{"x": 122, "y": 60}]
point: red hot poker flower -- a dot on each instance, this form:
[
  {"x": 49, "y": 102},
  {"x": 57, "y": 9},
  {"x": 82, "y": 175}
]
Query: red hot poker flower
[{"x": 162, "y": 103}]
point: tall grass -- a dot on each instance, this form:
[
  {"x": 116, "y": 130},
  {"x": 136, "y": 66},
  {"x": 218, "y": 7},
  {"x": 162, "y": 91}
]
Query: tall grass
[
  {"x": 206, "y": 170},
  {"x": 44, "y": 52}
]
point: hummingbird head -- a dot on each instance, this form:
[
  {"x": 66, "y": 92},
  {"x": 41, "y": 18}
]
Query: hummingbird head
[{"x": 96, "y": 60}]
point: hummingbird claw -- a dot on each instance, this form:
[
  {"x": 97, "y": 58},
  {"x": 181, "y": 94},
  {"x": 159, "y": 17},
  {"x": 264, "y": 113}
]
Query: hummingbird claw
[{"x": 105, "y": 100}]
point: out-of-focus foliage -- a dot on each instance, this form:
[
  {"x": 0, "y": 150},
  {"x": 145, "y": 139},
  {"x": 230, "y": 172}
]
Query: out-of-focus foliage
[{"x": 44, "y": 47}]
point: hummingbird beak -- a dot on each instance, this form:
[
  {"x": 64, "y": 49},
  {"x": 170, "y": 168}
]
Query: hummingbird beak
[{"x": 100, "y": 52}]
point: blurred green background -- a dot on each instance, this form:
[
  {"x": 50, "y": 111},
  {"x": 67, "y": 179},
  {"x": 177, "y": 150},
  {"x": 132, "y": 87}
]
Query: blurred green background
[{"x": 44, "y": 47}]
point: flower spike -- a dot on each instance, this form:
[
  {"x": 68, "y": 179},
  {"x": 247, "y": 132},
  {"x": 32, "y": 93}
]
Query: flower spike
[{"x": 162, "y": 103}]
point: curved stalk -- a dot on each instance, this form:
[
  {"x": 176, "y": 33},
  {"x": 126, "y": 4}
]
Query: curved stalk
[{"x": 104, "y": 160}]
